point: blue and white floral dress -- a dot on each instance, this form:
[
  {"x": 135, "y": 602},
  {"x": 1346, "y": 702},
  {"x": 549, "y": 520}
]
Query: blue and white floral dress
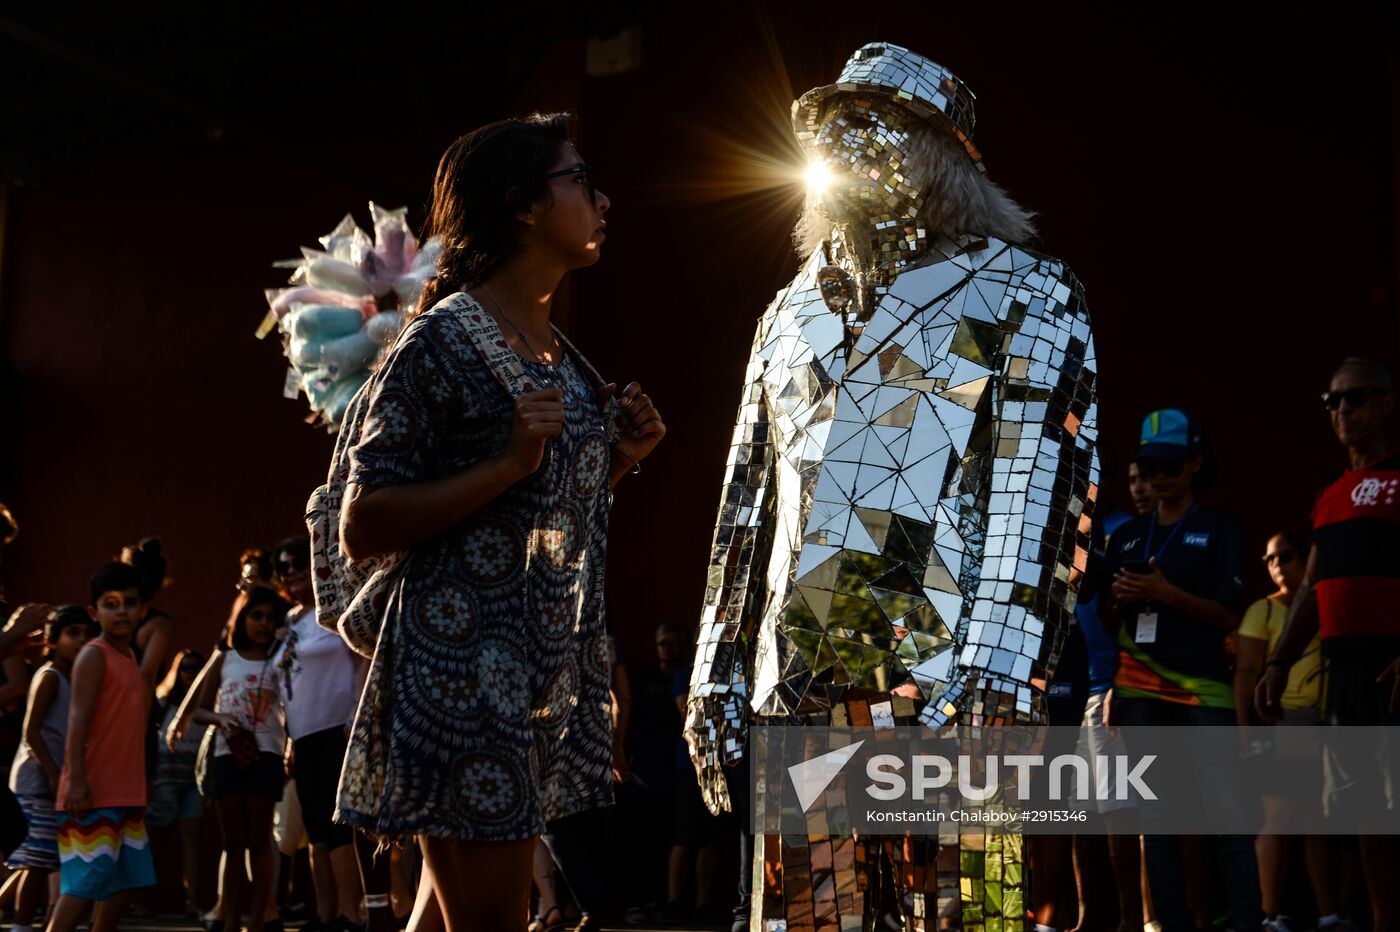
[{"x": 486, "y": 710}]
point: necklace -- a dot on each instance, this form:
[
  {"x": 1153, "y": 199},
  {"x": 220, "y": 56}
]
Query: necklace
[{"x": 539, "y": 357}]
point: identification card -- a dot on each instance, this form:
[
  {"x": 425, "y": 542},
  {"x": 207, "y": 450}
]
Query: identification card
[{"x": 1146, "y": 628}]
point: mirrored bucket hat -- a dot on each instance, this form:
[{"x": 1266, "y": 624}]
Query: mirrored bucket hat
[{"x": 923, "y": 87}]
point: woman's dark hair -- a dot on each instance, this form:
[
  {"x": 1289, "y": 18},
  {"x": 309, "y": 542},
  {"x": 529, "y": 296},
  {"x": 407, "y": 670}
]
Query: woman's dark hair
[
  {"x": 236, "y": 632},
  {"x": 1300, "y": 541},
  {"x": 148, "y": 560},
  {"x": 483, "y": 180},
  {"x": 299, "y": 549}
]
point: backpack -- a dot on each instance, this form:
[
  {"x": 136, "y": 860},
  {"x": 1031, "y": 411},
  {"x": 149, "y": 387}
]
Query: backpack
[{"x": 351, "y": 594}]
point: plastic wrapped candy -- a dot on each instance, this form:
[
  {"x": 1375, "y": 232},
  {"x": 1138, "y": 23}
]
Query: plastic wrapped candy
[
  {"x": 410, "y": 285},
  {"x": 322, "y": 321},
  {"x": 394, "y": 249},
  {"x": 334, "y": 275},
  {"x": 343, "y": 307},
  {"x": 382, "y": 328},
  {"x": 282, "y": 299},
  {"x": 349, "y": 354}
]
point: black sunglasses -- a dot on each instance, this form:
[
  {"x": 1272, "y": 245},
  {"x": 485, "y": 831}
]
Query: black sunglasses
[
  {"x": 585, "y": 174},
  {"x": 291, "y": 563},
  {"x": 1354, "y": 397}
]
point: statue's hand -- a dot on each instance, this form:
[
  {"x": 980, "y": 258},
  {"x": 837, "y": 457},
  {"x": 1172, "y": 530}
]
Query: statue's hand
[{"x": 712, "y": 725}]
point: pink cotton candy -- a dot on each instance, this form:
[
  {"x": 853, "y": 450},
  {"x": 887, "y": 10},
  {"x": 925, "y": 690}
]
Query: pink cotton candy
[{"x": 282, "y": 300}]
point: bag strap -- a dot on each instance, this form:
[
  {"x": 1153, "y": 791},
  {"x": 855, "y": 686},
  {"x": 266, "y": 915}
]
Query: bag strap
[
  {"x": 504, "y": 362},
  {"x": 611, "y": 409}
]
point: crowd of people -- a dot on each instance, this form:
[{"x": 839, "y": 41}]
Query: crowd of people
[
  {"x": 1164, "y": 637},
  {"x": 251, "y": 741},
  {"x": 490, "y": 710},
  {"x": 124, "y": 750}
]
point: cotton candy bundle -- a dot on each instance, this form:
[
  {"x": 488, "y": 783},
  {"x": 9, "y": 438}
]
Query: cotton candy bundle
[{"x": 343, "y": 307}]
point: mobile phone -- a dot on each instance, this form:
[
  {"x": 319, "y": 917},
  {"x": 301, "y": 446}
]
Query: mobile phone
[{"x": 1137, "y": 566}]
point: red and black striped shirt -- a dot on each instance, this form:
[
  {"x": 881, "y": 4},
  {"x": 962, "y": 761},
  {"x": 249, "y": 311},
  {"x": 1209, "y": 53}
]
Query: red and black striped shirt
[{"x": 1356, "y": 529}]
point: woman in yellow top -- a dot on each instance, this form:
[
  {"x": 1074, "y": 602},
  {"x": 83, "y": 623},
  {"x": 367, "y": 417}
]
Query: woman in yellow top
[{"x": 1285, "y": 558}]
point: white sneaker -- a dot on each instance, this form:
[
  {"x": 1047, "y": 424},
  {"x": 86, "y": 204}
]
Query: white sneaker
[{"x": 1341, "y": 925}]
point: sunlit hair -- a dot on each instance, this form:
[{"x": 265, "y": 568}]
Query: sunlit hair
[
  {"x": 148, "y": 558},
  {"x": 957, "y": 198},
  {"x": 170, "y": 690},
  {"x": 483, "y": 180},
  {"x": 255, "y": 568},
  {"x": 236, "y": 630}
]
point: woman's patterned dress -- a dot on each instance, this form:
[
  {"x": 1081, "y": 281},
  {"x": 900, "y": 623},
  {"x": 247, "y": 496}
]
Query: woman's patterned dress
[{"x": 486, "y": 711}]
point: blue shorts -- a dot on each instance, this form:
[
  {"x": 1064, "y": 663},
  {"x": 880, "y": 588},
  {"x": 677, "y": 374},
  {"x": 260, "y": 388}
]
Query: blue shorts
[
  {"x": 104, "y": 853},
  {"x": 40, "y": 847}
]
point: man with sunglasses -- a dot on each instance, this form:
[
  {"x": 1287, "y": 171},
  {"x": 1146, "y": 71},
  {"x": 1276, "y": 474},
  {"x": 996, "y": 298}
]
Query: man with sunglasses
[{"x": 1350, "y": 596}]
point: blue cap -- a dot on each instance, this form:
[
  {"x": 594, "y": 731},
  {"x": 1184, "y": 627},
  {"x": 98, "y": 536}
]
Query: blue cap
[{"x": 1169, "y": 434}]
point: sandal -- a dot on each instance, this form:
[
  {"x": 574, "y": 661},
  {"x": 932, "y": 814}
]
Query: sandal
[{"x": 542, "y": 923}]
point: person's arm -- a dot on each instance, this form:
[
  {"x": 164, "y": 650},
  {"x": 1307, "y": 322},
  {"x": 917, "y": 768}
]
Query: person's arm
[
  {"x": 642, "y": 430},
  {"x": 1303, "y": 621},
  {"x": 85, "y": 683},
  {"x": 200, "y": 695},
  {"x": 393, "y": 518},
  {"x": 1249, "y": 664},
  {"x": 1220, "y": 604},
  {"x": 154, "y": 641},
  {"x": 22, "y": 624},
  {"x": 203, "y": 711},
  {"x": 1137, "y": 587},
  {"x": 621, "y": 690},
  {"x": 39, "y": 704},
  {"x": 389, "y": 506},
  {"x": 16, "y": 681},
  {"x": 1298, "y": 632}
]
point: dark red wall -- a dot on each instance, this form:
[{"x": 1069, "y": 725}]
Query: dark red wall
[{"x": 1225, "y": 192}]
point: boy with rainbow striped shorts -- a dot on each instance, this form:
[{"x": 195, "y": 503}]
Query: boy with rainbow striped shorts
[{"x": 103, "y": 851}]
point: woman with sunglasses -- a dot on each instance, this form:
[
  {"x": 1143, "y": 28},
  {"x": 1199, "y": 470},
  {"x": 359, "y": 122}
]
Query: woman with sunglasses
[
  {"x": 1289, "y": 769},
  {"x": 1177, "y": 592},
  {"x": 485, "y": 450}
]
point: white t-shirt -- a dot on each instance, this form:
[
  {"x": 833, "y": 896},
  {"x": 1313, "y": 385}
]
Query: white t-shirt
[
  {"x": 248, "y": 692},
  {"x": 318, "y": 675}
]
